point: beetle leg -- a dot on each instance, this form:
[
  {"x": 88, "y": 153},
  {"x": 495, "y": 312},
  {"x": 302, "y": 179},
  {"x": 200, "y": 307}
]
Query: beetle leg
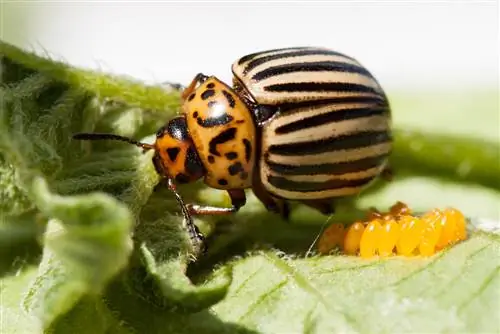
[
  {"x": 199, "y": 78},
  {"x": 387, "y": 173},
  {"x": 197, "y": 239},
  {"x": 238, "y": 199},
  {"x": 284, "y": 209},
  {"x": 272, "y": 204},
  {"x": 325, "y": 206}
]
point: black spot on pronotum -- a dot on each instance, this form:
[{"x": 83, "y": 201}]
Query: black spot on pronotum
[
  {"x": 191, "y": 97},
  {"x": 211, "y": 159},
  {"x": 193, "y": 164},
  {"x": 235, "y": 168},
  {"x": 214, "y": 121},
  {"x": 181, "y": 178},
  {"x": 231, "y": 155},
  {"x": 221, "y": 138},
  {"x": 211, "y": 85},
  {"x": 208, "y": 93},
  {"x": 157, "y": 163},
  {"x": 248, "y": 149},
  {"x": 173, "y": 152},
  {"x": 195, "y": 114},
  {"x": 240, "y": 121},
  {"x": 222, "y": 182},
  {"x": 230, "y": 98}
]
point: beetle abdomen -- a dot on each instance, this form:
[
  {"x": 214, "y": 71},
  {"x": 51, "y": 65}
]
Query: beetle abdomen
[
  {"x": 330, "y": 136},
  {"x": 324, "y": 152}
]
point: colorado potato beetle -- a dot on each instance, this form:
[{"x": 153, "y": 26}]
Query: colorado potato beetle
[{"x": 305, "y": 123}]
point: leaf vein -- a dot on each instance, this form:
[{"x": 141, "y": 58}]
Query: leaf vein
[
  {"x": 482, "y": 287},
  {"x": 263, "y": 297},
  {"x": 303, "y": 283},
  {"x": 457, "y": 277}
]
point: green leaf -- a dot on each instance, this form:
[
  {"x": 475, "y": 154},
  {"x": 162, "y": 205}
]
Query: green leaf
[
  {"x": 454, "y": 291},
  {"x": 144, "y": 317},
  {"x": 18, "y": 242},
  {"x": 178, "y": 291},
  {"x": 86, "y": 238},
  {"x": 86, "y": 244},
  {"x": 165, "y": 250},
  {"x": 90, "y": 243},
  {"x": 14, "y": 199},
  {"x": 90, "y": 315}
]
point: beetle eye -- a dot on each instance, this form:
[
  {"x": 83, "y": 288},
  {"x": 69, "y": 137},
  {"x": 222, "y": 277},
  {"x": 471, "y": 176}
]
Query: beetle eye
[
  {"x": 177, "y": 128},
  {"x": 161, "y": 131}
]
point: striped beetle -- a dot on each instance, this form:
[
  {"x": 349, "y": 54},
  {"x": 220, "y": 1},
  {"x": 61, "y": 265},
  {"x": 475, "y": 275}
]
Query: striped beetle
[{"x": 305, "y": 124}]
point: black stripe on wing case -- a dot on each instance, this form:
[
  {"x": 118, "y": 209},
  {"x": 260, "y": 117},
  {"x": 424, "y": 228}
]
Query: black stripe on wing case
[
  {"x": 294, "y": 87},
  {"x": 338, "y": 168},
  {"x": 329, "y": 117},
  {"x": 329, "y": 144},
  {"x": 256, "y": 54},
  {"x": 302, "y": 186},
  {"x": 306, "y": 52},
  {"x": 318, "y": 66},
  {"x": 377, "y": 100}
]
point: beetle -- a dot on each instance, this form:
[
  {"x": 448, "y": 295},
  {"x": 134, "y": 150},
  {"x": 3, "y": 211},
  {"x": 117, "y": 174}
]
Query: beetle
[{"x": 305, "y": 124}]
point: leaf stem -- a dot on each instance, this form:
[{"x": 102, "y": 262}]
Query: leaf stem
[
  {"x": 104, "y": 85},
  {"x": 467, "y": 160}
]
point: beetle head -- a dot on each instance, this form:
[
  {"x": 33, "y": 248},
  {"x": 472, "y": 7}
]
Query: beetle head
[{"x": 176, "y": 156}]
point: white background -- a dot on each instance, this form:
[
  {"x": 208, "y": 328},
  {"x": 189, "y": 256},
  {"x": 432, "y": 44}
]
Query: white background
[{"x": 405, "y": 44}]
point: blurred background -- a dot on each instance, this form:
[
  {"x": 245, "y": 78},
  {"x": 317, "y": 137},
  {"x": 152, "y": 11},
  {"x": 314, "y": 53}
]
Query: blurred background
[{"x": 437, "y": 60}]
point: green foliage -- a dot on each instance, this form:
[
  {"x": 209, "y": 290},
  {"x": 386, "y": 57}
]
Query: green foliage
[{"x": 90, "y": 244}]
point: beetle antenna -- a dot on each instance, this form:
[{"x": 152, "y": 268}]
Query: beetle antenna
[{"x": 108, "y": 136}]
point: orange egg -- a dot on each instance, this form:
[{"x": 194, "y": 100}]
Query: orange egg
[
  {"x": 431, "y": 232},
  {"x": 426, "y": 248},
  {"x": 352, "y": 238},
  {"x": 389, "y": 236},
  {"x": 459, "y": 219},
  {"x": 368, "y": 244},
  {"x": 397, "y": 231},
  {"x": 410, "y": 235},
  {"x": 447, "y": 233},
  {"x": 331, "y": 238}
]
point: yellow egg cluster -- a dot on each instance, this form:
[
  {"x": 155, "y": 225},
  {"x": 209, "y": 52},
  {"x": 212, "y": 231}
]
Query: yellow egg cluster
[{"x": 397, "y": 232}]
